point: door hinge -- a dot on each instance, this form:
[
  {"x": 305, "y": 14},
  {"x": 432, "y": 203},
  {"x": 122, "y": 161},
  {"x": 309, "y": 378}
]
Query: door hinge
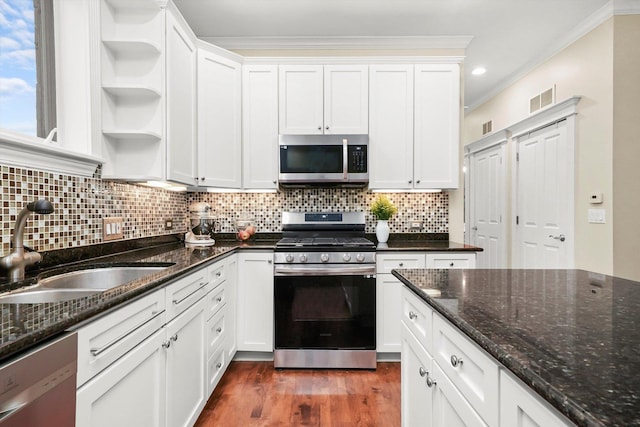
[
  {"x": 517, "y": 157},
  {"x": 517, "y": 220}
]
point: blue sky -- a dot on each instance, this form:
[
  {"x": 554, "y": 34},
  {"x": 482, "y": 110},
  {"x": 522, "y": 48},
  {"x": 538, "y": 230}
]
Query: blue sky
[{"x": 17, "y": 67}]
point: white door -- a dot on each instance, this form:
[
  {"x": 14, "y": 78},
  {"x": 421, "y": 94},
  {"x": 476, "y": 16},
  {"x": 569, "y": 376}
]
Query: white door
[
  {"x": 391, "y": 126},
  {"x": 301, "y": 99},
  {"x": 260, "y": 126},
  {"x": 543, "y": 199},
  {"x": 487, "y": 206},
  {"x": 181, "y": 101},
  {"x": 346, "y": 99},
  {"x": 437, "y": 126},
  {"x": 219, "y": 121}
]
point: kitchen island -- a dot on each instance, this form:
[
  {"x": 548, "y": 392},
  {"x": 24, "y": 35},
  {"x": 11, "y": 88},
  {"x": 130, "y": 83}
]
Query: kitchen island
[{"x": 572, "y": 336}]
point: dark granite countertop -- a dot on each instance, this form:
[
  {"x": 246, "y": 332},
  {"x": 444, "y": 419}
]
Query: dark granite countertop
[
  {"x": 571, "y": 335},
  {"x": 25, "y": 325}
]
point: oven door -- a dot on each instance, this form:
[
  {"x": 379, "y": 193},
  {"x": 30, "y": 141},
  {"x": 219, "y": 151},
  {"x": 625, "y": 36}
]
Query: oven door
[{"x": 330, "y": 309}]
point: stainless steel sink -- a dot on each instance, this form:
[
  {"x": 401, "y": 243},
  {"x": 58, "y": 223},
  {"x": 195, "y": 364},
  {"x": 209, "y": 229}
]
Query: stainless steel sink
[{"x": 79, "y": 284}]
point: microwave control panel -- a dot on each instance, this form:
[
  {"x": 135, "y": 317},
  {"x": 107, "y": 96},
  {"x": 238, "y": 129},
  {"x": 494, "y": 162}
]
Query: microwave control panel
[{"x": 357, "y": 158}]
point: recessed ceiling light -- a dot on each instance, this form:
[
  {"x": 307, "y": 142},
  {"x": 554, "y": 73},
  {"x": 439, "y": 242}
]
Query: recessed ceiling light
[{"x": 478, "y": 71}]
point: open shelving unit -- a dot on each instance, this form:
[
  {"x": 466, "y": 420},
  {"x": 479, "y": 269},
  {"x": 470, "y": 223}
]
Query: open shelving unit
[{"x": 132, "y": 89}]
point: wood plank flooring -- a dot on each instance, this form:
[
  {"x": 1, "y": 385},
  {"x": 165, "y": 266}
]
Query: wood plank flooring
[{"x": 256, "y": 394}]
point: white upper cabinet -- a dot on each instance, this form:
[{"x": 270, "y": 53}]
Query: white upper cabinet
[
  {"x": 219, "y": 119},
  {"x": 181, "y": 98},
  {"x": 437, "y": 126},
  {"x": 346, "y": 99},
  {"x": 316, "y": 99},
  {"x": 415, "y": 126},
  {"x": 260, "y": 126},
  {"x": 391, "y": 129}
]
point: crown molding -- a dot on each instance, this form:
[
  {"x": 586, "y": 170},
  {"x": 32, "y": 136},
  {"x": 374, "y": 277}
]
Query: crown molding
[
  {"x": 589, "y": 24},
  {"x": 342, "y": 60},
  {"x": 626, "y": 7},
  {"x": 355, "y": 42}
]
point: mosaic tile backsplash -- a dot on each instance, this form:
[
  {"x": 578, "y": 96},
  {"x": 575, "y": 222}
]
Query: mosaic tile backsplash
[
  {"x": 80, "y": 204},
  {"x": 265, "y": 208}
]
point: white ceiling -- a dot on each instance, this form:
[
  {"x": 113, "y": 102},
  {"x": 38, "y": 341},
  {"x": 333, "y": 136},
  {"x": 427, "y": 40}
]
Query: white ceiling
[{"x": 508, "y": 37}]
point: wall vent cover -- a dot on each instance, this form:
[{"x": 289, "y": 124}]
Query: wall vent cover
[
  {"x": 542, "y": 100},
  {"x": 487, "y": 127}
]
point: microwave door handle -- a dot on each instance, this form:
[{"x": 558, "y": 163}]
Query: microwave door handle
[{"x": 345, "y": 162}]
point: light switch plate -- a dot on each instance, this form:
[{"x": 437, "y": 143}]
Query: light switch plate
[
  {"x": 112, "y": 228},
  {"x": 597, "y": 216}
]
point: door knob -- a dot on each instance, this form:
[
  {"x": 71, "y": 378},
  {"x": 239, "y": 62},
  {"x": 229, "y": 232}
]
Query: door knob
[{"x": 561, "y": 237}]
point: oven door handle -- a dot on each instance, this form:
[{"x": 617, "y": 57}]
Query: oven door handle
[{"x": 311, "y": 271}]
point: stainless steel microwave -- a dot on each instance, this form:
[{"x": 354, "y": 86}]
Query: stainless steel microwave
[{"x": 324, "y": 160}]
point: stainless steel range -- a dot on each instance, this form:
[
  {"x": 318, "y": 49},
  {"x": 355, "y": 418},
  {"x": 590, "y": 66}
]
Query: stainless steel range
[{"x": 325, "y": 292}]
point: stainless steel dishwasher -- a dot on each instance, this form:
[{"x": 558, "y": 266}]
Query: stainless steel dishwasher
[{"x": 39, "y": 388}]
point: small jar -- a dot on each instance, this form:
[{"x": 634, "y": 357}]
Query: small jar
[{"x": 245, "y": 229}]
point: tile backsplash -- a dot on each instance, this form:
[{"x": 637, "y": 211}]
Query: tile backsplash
[
  {"x": 265, "y": 208},
  {"x": 80, "y": 204}
]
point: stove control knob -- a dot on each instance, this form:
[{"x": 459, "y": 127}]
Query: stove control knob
[
  {"x": 289, "y": 258},
  {"x": 346, "y": 257},
  {"x": 324, "y": 257},
  {"x": 303, "y": 258},
  {"x": 360, "y": 257}
]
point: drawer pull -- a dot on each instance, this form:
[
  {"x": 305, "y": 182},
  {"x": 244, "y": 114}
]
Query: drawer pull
[
  {"x": 218, "y": 329},
  {"x": 423, "y": 371},
  {"x": 98, "y": 351},
  {"x": 412, "y": 315},
  {"x": 219, "y": 299},
  {"x": 218, "y": 365},
  {"x": 202, "y": 285},
  {"x": 430, "y": 381},
  {"x": 401, "y": 264},
  {"x": 451, "y": 264},
  {"x": 455, "y": 361},
  {"x": 218, "y": 274}
]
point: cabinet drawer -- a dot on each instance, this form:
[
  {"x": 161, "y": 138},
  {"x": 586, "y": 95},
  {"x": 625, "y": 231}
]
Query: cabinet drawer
[
  {"x": 451, "y": 260},
  {"x": 470, "y": 369},
  {"x": 418, "y": 318},
  {"x": 216, "y": 366},
  {"x": 184, "y": 292},
  {"x": 216, "y": 299},
  {"x": 217, "y": 273},
  {"x": 216, "y": 332},
  {"x": 103, "y": 341},
  {"x": 387, "y": 262}
]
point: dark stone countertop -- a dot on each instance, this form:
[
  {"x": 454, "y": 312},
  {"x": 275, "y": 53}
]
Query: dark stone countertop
[
  {"x": 421, "y": 242},
  {"x": 23, "y": 326},
  {"x": 573, "y": 336}
]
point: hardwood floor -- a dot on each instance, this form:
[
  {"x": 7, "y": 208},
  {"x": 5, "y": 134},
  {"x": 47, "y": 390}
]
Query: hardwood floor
[{"x": 256, "y": 394}]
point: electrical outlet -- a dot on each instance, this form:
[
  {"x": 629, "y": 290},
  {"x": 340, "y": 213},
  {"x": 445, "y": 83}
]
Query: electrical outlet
[
  {"x": 168, "y": 224},
  {"x": 112, "y": 228},
  {"x": 416, "y": 225}
]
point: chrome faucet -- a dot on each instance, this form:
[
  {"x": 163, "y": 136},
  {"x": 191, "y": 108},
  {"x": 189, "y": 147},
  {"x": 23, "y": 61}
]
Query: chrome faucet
[{"x": 17, "y": 260}]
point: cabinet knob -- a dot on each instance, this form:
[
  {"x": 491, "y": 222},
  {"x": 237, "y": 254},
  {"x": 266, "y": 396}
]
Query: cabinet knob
[
  {"x": 218, "y": 329},
  {"x": 274, "y": 181},
  {"x": 319, "y": 127},
  {"x": 166, "y": 344},
  {"x": 218, "y": 365},
  {"x": 412, "y": 315},
  {"x": 451, "y": 265},
  {"x": 174, "y": 337},
  {"x": 410, "y": 181},
  {"x": 418, "y": 182},
  {"x": 327, "y": 127},
  {"x": 455, "y": 361},
  {"x": 401, "y": 264},
  {"x": 423, "y": 371},
  {"x": 202, "y": 178},
  {"x": 430, "y": 381},
  {"x": 219, "y": 299}
]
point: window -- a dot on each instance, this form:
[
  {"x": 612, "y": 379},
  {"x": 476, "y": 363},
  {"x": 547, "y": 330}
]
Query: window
[{"x": 27, "y": 68}]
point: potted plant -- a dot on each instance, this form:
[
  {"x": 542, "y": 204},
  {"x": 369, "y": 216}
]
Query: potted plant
[{"x": 383, "y": 209}]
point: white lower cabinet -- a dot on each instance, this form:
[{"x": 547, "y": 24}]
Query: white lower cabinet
[
  {"x": 143, "y": 366},
  {"x": 186, "y": 367},
  {"x": 451, "y": 260},
  {"x": 448, "y": 381},
  {"x": 520, "y": 407},
  {"x": 255, "y": 301},
  {"x": 130, "y": 392}
]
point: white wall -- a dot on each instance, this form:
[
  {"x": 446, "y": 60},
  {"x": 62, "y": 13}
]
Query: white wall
[{"x": 584, "y": 68}]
